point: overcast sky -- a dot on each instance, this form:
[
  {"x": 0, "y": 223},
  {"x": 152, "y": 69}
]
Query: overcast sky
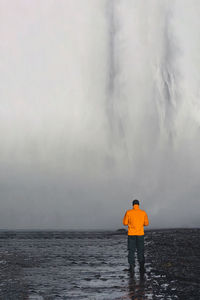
[{"x": 99, "y": 105}]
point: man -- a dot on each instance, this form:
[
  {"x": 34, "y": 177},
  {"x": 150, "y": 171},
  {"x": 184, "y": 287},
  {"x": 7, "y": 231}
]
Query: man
[{"x": 136, "y": 218}]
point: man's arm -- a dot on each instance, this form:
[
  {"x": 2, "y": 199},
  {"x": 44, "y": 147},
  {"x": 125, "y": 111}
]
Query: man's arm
[
  {"x": 125, "y": 220},
  {"x": 146, "y": 221}
]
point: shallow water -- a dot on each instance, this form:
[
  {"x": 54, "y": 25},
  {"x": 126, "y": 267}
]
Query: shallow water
[{"x": 93, "y": 265}]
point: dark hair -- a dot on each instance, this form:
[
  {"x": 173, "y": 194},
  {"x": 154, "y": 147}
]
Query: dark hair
[{"x": 136, "y": 202}]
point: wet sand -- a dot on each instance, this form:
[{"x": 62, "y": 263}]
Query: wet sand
[{"x": 93, "y": 265}]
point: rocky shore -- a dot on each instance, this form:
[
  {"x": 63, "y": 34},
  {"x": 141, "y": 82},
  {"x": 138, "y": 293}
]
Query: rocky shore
[{"x": 175, "y": 254}]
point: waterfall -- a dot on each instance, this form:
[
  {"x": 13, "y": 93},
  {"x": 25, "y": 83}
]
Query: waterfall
[{"x": 99, "y": 104}]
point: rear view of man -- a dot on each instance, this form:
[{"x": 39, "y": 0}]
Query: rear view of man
[{"x": 136, "y": 219}]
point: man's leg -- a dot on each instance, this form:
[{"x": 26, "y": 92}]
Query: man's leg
[
  {"x": 140, "y": 251},
  {"x": 131, "y": 251}
]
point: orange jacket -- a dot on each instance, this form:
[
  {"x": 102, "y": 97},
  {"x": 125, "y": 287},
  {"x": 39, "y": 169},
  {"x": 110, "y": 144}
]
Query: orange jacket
[{"x": 135, "y": 219}]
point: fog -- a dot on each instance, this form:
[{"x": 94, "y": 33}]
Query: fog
[{"x": 99, "y": 105}]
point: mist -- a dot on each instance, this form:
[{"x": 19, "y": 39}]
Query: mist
[{"x": 99, "y": 105}]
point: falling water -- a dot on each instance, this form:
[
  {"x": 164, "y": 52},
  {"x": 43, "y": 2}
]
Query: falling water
[{"x": 99, "y": 104}]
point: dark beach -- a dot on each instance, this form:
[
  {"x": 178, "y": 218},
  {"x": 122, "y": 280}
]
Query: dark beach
[{"x": 52, "y": 265}]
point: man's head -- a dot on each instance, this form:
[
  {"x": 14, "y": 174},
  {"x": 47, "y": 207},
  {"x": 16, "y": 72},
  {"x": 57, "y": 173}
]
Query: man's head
[{"x": 136, "y": 202}]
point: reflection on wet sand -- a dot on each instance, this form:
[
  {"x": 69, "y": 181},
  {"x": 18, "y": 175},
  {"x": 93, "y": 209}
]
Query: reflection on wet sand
[{"x": 136, "y": 287}]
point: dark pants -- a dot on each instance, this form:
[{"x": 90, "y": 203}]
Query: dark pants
[{"x": 136, "y": 242}]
